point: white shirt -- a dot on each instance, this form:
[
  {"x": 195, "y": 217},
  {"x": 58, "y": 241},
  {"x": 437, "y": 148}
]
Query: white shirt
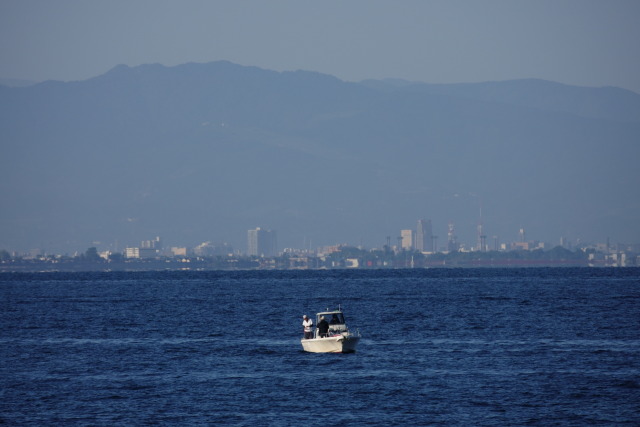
[{"x": 308, "y": 325}]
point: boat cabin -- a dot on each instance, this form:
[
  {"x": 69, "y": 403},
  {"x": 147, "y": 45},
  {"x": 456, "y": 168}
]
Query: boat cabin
[{"x": 335, "y": 319}]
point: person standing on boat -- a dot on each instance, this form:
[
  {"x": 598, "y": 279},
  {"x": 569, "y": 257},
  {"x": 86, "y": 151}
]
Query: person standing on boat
[
  {"x": 323, "y": 327},
  {"x": 308, "y": 327}
]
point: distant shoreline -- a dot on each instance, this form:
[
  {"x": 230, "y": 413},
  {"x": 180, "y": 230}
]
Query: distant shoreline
[{"x": 171, "y": 267}]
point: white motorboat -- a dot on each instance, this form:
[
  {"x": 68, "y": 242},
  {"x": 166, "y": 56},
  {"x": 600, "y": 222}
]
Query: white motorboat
[{"x": 338, "y": 339}]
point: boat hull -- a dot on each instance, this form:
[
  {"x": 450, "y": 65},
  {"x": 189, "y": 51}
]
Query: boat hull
[{"x": 335, "y": 344}]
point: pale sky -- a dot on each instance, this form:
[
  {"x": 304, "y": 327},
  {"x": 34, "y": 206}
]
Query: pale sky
[{"x": 578, "y": 42}]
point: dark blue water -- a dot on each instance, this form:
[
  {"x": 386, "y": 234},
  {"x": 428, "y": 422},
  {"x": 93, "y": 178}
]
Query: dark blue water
[{"x": 453, "y": 347}]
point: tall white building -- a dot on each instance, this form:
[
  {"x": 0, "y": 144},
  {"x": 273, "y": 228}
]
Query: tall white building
[
  {"x": 407, "y": 239},
  {"x": 261, "y": 242}
]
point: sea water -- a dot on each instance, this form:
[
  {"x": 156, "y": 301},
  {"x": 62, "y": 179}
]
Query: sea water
[{"x": 443, "y": 346}]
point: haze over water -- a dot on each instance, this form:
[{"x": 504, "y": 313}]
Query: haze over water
[{"x": 116, "y": 145}]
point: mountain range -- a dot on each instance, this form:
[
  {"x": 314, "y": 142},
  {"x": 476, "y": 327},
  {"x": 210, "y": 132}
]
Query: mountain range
[{"x": 204, "y": 152}]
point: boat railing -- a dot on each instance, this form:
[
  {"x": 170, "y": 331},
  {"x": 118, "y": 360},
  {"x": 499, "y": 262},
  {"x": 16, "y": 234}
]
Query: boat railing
[{"x": 337, "y": 333}]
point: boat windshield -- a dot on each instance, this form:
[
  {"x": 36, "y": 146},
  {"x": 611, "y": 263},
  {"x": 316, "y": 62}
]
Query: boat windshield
[{"x": 336, "y": 319}]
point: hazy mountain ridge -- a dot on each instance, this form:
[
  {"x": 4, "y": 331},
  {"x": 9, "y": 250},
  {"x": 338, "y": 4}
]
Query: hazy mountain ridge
[
  {"x": 16, "y": 82},
  {"x": 609, "y": 102},
  {"x": 205, "y": 151}
]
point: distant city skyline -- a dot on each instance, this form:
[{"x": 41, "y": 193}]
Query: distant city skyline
[{"x": 262, "y": 242}]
